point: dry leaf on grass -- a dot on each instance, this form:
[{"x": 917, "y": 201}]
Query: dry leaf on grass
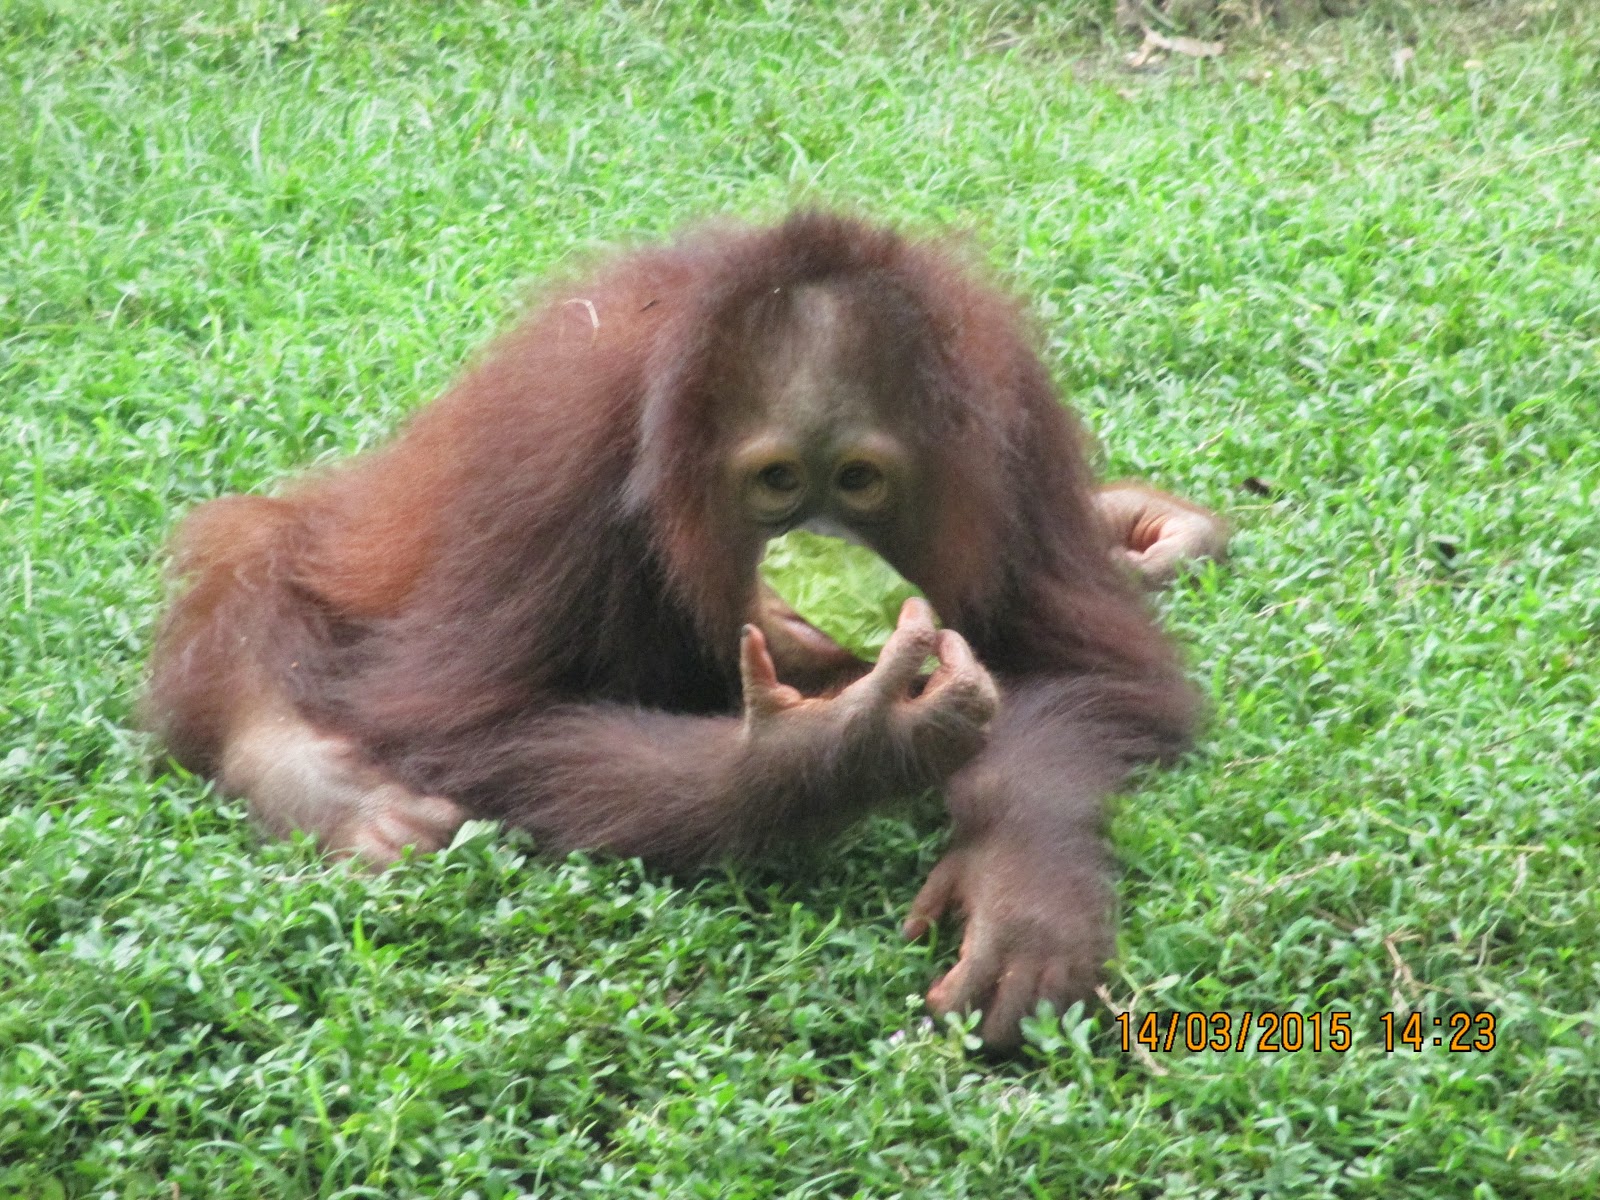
[{"x": 1149, "y": 51}]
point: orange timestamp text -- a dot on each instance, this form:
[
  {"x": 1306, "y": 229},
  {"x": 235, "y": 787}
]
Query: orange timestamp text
[{"x": 1290, "y": 1032}]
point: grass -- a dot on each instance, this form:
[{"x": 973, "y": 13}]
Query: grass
[{"x": 1355, "y": 305}]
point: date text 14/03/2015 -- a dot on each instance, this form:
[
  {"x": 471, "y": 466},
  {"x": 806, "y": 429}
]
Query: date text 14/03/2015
[{"x": 1267, "y": 1032}]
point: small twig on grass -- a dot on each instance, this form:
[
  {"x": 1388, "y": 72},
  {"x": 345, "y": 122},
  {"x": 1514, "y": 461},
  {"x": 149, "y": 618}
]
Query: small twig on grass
[
  {"x": 1481, "y": 167},
  {"x": 1333, "y": 860},
  {"x": 1508, "y": 739},
  {"x": 1334, "y": 919},
  {"x": 1271, "y": 609},
  {"x": 1234, "y": 764},
  {"x": 1402, "y": 971},
  {"x": 1140, "y": 1052}
]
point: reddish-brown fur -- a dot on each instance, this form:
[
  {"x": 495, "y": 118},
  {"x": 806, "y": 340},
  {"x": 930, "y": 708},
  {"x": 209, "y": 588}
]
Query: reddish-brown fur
[{"x": 531, "y": 603}]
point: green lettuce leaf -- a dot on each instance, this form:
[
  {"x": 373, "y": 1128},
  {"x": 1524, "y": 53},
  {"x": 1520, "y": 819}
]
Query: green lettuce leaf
[{"x": 845, "y": 590}]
